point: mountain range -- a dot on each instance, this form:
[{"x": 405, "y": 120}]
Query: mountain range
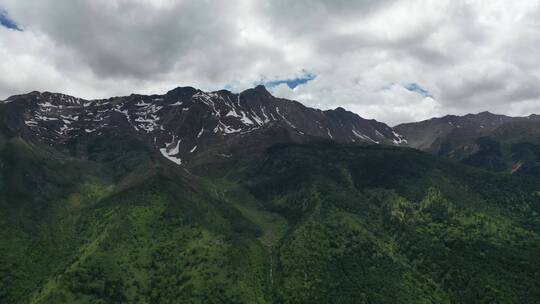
[
  {"x": 494, "y": 142},
  {"x": 186, "y": 121},
  {"x": 221, "y": 197}
]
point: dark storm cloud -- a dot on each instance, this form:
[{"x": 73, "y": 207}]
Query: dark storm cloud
[
  {"x": 307, "y": 17},
  {"x": 132, "y": 39}
]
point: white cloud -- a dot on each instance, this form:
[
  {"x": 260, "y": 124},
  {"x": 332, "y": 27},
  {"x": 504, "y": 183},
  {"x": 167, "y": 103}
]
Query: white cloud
[{"x": 471, "y": 55}]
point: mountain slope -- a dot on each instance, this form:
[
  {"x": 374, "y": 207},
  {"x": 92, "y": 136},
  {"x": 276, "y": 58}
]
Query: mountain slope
[
  {"x": 262, "y": 215},
  {"x": 494, "y": 142},
  {"x": 304, "y": 223},
  {"x": 399, "y": 226},
  {"x": 186, "y": 121}
]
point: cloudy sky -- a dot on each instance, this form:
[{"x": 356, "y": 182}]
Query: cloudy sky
[{"x": 392, "y": 60}]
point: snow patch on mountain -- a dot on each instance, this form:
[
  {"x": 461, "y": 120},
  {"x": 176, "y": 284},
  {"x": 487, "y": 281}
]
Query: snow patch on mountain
[{"x": 171, "y": 152}]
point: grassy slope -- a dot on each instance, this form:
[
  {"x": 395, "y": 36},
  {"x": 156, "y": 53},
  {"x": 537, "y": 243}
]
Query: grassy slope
[{"x": 302, "y": 224}]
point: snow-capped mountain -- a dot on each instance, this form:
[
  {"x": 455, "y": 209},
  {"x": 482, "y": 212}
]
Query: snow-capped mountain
[{"x": 186, "y": 121}]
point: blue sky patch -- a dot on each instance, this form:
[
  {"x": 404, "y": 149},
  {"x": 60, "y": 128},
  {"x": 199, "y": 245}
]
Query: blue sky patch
[
  {"x": 292, "y": 83},
  {"x": 414, "y": 87},
  {"x": 7, "y": 22}
]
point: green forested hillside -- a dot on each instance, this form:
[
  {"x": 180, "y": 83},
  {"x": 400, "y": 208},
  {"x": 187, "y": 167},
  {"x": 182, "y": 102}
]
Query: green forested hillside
[{"x": 313, "y": 223}]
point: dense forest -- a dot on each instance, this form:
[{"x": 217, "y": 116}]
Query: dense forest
[{"x": 299, "y": 223}]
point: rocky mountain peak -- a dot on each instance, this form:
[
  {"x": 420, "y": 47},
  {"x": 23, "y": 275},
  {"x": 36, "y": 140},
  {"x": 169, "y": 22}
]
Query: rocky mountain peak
[
  {"x": 186, "y": 121},
  {"x": 258, "y": 93}
]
